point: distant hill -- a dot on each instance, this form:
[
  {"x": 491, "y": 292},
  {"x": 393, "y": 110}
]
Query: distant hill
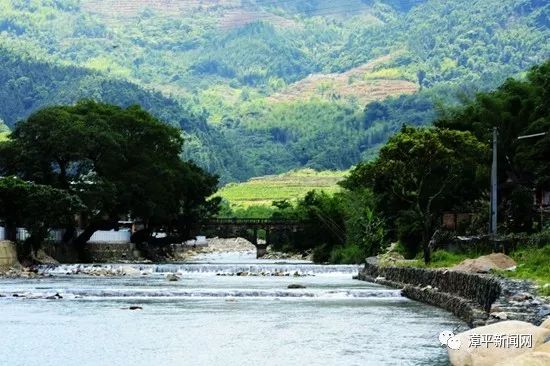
[
  {"x": 30, "y": 85},
  {"x": 260, "y": 86}
]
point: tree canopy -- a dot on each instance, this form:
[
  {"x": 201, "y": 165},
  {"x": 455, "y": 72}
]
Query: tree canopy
[
  {"x": 118, "y": 161},
  {"x": 517, "y": 108},
  {"x": 36, "y": 207},
  {"x": 419, "y": 173}
]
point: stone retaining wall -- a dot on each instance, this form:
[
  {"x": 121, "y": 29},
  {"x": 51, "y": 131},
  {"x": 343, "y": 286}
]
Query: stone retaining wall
[
  {"x": 477, "y": 299},
  {"x": 111, "y": 252},
  {"x": 468, "y": 296}
]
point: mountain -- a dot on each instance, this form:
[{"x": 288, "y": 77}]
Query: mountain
[
  {"x": 264, "y": 86},
  {"x": 28, "y": 85}
]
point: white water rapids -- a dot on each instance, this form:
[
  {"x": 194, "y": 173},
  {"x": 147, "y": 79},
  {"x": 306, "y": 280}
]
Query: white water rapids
[{"x": 228, "y": 309}]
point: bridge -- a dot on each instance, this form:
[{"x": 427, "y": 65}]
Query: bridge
[{"x": 248, "y": 228}]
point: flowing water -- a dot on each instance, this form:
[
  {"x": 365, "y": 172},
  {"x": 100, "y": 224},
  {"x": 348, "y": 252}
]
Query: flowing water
[{"x": 211, "y": 316}]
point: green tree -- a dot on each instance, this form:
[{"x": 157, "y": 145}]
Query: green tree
[
  {"x": 365, "y": 229},
  {"x": 119, "y": 161},
  {"x": 518, "y": 107},
  {"x": 36, "y": 207},
  {"x": 419, "y": 173}
]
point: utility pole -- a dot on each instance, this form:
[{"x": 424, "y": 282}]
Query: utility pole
[{"x": 493, "y": 218}]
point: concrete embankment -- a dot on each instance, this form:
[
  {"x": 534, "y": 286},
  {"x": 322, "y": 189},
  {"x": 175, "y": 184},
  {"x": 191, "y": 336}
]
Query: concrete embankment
[{"x": 478, "y": 299}]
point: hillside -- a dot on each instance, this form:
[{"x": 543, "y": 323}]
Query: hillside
[
  {"x": 260, "y": 86},
  {"x": 30, "y": 85},
  {"x": 363, "y": 84},
  {"x": 288, "y": 186}
]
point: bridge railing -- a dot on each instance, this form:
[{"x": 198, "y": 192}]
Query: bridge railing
[{"x": 253, "y": 221}]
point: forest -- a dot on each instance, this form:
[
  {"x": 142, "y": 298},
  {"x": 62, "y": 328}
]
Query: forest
[
  {"x": 262, "y": 87},
  {"x": 423, "y": 172}
]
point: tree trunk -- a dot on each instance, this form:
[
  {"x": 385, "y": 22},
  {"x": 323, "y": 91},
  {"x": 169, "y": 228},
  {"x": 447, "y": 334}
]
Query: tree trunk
[
  {"x": 11, "y": 231},
  {"x": 425, "y": 243},
  {"x": 79, "y": 242}
]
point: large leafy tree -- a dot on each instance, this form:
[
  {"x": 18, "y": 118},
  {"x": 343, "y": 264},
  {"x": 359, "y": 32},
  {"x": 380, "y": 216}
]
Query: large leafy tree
[
  {"x": 420, "y": 173},
  {"x": 119, "y": 161},
  {"x": 36, "y": 207},
  {"x": 518, "y": 107}
]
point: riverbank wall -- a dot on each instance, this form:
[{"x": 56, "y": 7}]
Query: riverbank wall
[
  {"x": 99, "y": 252},
  {"x": 95, "y": 252},
  {"x": 477, "y": 299}
]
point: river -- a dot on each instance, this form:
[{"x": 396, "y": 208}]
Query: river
[{"x": 213, "y": 317}]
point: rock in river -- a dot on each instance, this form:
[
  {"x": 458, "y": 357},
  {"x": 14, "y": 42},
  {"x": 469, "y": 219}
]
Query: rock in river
[
  {"x": 471, "y": 352},
  {"x": 528, "y": 359},
  {"x": 172, "y": 277},
  {"x": 295, "y": 286}
]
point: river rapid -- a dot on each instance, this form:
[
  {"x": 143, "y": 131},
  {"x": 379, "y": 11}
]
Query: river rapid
[{"x": 212, "y": 316}]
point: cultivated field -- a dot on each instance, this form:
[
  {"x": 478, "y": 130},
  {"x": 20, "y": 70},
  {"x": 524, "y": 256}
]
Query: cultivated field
[
  {"x": 290, "y": 186},
  {"x": 367, "y": 83}
]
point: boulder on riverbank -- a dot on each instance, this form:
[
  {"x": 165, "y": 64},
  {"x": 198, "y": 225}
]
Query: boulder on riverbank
[
  {"x": 481, "y": 346},
  {"x": 544, "y": 348},
  {"x": 8, "y": 256},
  {"x": 528, "y": 359},
  {"x": 486, "y": 264}
]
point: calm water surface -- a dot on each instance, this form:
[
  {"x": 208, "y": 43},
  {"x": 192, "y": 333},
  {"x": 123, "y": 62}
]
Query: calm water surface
[{"x": 209, "y": 319}]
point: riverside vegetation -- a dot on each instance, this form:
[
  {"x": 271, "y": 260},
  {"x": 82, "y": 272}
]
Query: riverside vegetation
[
  {"x": 260, "y": 88},
  {"x": 422, "y": 172}
]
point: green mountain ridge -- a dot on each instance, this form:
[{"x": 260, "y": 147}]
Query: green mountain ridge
[
  {"x": 261, "y": 87},
  {"x": 30, "y": 85}
]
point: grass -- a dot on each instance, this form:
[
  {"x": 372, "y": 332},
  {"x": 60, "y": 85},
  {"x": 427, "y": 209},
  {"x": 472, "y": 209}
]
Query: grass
[
  {"x": 440, "y": 259},
  {"x": 445, "y": 259},
  {"x": 532, "y": 264},
  {"x": 289, "y": 186}
]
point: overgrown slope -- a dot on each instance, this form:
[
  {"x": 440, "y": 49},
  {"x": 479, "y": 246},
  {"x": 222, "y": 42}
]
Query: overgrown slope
[
  {"x": 29, "y": 85},
  {"x": 280, "y": 84}
]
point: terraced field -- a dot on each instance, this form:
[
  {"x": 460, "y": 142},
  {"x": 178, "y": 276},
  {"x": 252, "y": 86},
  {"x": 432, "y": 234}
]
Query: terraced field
[
  {"x": 366, "y": 83},
  {"x": 290, "y": 186}
]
